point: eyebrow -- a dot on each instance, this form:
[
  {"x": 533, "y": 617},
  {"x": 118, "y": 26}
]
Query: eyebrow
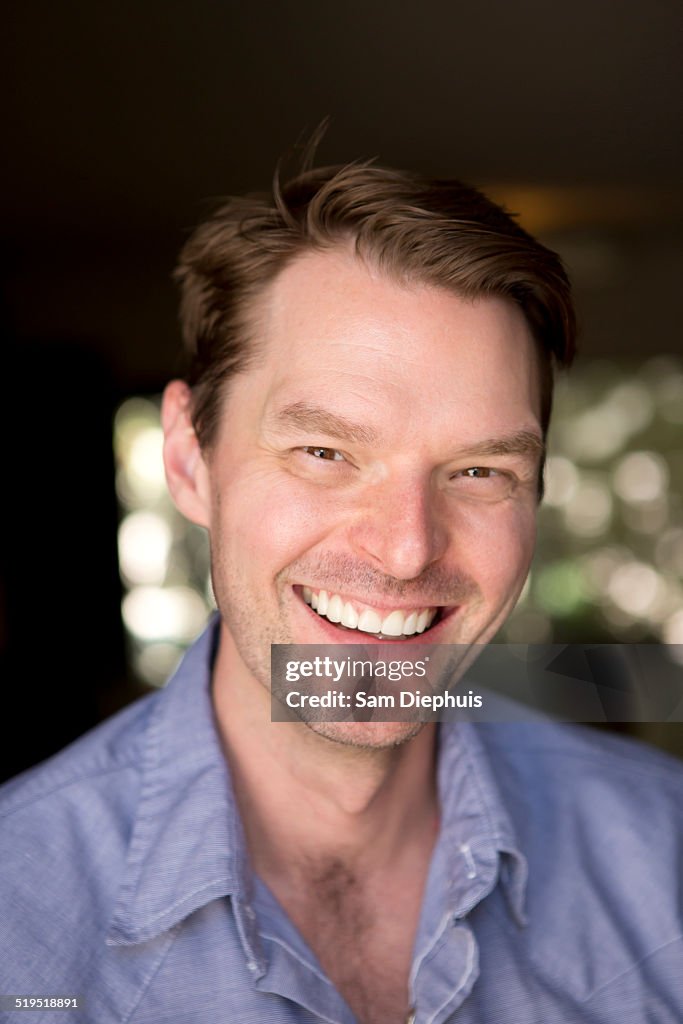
[
  {"x": 302, "y": 416},
  {"x": 311, "y": 418},
  {"x": 523, "y": 442}
]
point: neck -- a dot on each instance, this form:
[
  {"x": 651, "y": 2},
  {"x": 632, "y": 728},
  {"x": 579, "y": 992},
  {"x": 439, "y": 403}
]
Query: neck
[{"x": 305, "y": 798}]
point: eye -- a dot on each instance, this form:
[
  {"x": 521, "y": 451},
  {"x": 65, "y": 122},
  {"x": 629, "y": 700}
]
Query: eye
[
  {"x": 479, "y": 472},
  {"x": 324, "y": 454},
  {"x": 484, "y": 482}
]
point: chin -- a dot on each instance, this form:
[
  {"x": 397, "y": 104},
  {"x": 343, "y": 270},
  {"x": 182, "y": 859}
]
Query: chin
[{"x": 367, "y": 735}]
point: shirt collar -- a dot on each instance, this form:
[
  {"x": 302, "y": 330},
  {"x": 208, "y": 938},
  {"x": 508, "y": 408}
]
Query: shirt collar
[
  {"x": 187, "y": 845},
  {"x": 477, "y": 835}
]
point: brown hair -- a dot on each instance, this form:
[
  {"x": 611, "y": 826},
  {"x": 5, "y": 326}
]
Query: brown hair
[{"x": 438, "y": 232}]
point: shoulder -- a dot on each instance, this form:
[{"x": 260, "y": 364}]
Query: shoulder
[
  {"x": 573, "y": 761},
  {"x": 557, "y": 777},
  {"x": 112, "y": 748},
  {"x": 64, "y": 832},
  {"x": 599, "y": 819}
]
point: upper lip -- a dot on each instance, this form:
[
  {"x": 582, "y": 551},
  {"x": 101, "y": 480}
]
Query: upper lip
[{"x": 381, "y": 604}]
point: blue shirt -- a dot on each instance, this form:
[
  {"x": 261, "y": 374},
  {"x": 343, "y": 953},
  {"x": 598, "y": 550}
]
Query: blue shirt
[{"x": 554, "y": 892}]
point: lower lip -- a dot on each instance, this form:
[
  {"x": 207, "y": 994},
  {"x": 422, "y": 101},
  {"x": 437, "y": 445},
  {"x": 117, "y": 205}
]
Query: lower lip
[{"x": 337, "y": 635}]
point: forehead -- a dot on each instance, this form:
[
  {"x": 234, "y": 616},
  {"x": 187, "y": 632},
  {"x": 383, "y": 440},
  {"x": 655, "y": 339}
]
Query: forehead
[{"x": 331, "y": 326}]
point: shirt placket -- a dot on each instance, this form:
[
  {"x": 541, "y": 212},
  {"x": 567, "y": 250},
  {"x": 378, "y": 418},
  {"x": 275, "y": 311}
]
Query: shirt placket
[{"x": 447, "y": 967}]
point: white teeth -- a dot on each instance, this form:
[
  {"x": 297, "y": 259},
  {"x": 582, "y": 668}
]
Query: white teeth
[
  {"x": 410, "y": 624},
  {"x": 392, "y": 625},
  {"x": 369, "y": 621},
  {"x": 421, "y": 623},
  {"x": 335, "y": 608},
  {"x": 349, "y": 616},
  {"x": 396, "y": 623}
]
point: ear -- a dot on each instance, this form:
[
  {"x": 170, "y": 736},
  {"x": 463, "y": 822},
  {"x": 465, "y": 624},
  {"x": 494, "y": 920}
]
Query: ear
[{"x": 186, "y": 471}]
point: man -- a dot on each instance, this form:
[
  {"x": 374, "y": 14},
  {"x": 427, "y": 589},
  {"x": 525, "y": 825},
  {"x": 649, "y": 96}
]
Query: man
[{"x": 362, "y": 434}]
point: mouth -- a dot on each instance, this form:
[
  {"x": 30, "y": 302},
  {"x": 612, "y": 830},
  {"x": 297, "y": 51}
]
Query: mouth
[{"x": 393, "y": 624}]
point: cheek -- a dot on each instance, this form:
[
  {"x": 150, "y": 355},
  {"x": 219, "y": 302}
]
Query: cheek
[
  {"x": 500, "y": 547},
  {"x": 271, "y": 518}
]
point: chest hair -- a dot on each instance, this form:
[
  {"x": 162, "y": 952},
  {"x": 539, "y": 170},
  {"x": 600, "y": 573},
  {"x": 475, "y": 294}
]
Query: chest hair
[{"x": 361, "y": 932}]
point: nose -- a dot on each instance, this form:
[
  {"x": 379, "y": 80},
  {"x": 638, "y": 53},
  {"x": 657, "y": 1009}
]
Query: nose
[{"x": 401, "y": 529}]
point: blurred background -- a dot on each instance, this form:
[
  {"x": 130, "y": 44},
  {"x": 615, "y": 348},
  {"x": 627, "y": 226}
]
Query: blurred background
[{"x": 124, "y": 123}]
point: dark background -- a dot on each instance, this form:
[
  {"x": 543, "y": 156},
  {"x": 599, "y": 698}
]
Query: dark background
[{"x": 123, "y": 120}]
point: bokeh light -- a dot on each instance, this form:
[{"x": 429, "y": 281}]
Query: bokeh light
[
  {"x": 138, "y": 442},
  {"x": 163, "y": 559},
  {"x": 164, "y": 613},
  {"x": 636, "y": 589},
  {"x": 610, "y": 561},
  {"x": 561, "y": 481},
  {"x": 641, "y": 477},
  {"x": 144, "y": 545},
  {"x": 589, "y": 510}
]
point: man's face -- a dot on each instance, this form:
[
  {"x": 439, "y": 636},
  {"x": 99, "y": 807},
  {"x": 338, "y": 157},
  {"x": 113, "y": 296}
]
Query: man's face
[{"x": 380, "y": 459}]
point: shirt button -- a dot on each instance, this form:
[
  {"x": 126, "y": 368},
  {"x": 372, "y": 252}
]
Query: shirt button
[
  {"x": 250, "y": 913},
  {"x": 252, "y": 965}
]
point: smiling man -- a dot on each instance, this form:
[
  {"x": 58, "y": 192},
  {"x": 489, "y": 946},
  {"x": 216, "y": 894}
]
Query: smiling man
[
  {"x": 362, "y": 434},
  {"x": 358, "y": 484}
]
